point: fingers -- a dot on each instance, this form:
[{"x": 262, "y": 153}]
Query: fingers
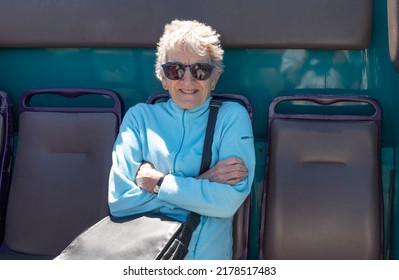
[
  {"x": 229, "y": 171},
  {"x": 233, "y": 167}
]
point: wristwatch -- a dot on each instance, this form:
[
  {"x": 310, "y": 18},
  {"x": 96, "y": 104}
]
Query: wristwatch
[{"x": 158, "y": 185}]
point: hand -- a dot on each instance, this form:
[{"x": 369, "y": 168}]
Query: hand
[
  {"x": 228, "y": 171},
  {"x": 147, "y": 177}
]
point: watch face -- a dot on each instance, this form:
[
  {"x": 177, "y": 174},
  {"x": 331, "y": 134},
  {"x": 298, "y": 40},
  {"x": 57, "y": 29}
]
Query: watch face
[{"x": 156, "y": 189}]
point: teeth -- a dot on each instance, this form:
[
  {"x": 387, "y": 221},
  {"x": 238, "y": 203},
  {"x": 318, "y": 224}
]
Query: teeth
[{"x": 188, "y": 90}]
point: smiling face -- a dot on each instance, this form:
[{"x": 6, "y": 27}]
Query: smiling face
[{"x": 189, "y": 92}]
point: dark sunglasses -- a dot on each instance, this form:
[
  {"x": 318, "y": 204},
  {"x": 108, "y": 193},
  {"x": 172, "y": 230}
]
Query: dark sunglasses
[{"x": 176, "y": 70}]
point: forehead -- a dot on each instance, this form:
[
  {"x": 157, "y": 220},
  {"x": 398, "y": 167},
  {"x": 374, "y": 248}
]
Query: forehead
[{"x": 186, "y": 56}]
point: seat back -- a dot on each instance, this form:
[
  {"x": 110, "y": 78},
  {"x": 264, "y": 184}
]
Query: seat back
[
  {"x": 60, "y": 179},
  {"x": 242, "y": 216},
  {"x": 6, "y": 136},
  {"x": 323, "y": 191}
]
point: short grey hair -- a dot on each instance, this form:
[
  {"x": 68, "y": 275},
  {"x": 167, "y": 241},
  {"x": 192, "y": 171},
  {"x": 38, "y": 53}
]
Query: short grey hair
[{"x": 194, "y": 36}]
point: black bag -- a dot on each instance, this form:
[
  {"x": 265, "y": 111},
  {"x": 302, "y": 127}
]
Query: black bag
[
  {"x": 144, "y": 236},
  {"x": 138, "y": 237}
]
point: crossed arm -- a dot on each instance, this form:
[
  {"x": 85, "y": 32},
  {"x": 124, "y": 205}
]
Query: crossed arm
[{"x": 228, "y": 171}]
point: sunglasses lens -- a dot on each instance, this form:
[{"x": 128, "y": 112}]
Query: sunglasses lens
[
  {"x": 201, "y": 71},
  {"x": 175, "y": 70}
]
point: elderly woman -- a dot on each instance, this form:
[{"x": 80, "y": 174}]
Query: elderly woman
[{"x": 157, "y": 155}]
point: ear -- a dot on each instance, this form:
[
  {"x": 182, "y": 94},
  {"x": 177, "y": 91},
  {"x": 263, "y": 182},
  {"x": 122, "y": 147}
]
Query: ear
[
  {"x": 164, "y": 84},
  {"x": 214, "y": 81}
]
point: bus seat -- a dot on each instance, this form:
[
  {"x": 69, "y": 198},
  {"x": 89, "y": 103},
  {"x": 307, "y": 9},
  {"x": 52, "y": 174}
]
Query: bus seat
[
  {"x": 6, "y": 138},
  {"x": 242, "y": 216},
  {"x": 59, "y": 184},
  {"x": 323, "y": 193}
]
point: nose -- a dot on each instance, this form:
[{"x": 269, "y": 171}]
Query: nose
[{"x": 187, "y": 75}]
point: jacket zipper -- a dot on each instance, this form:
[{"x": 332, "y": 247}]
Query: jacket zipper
[{"x": 181, "y": 142}]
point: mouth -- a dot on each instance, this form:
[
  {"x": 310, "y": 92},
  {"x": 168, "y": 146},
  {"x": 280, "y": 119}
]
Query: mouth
[{"x": 188, "y": 91}]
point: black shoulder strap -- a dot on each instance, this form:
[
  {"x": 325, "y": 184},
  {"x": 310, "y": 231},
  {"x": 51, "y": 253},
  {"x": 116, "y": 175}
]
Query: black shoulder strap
[{"x": 210, "y": 129}]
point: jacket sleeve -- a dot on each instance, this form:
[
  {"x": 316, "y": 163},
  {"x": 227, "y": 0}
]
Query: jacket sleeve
[
  {"x": 233, "y": 138},
  {"x": 124, "y": 196}
]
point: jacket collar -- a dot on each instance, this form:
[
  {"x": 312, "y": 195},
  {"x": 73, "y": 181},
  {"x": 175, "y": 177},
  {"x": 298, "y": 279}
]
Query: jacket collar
[{"x": 197, "y": 111}]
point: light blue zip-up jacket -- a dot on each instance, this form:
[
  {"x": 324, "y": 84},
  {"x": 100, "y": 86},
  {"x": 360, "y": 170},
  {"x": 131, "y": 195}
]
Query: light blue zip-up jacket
[{"x": 172, "y": 140}]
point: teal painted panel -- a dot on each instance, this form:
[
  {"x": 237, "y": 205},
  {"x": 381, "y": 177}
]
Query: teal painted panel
[
  {"x": 258, "y": 74},
  {"x": 130, "y": 72}
]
